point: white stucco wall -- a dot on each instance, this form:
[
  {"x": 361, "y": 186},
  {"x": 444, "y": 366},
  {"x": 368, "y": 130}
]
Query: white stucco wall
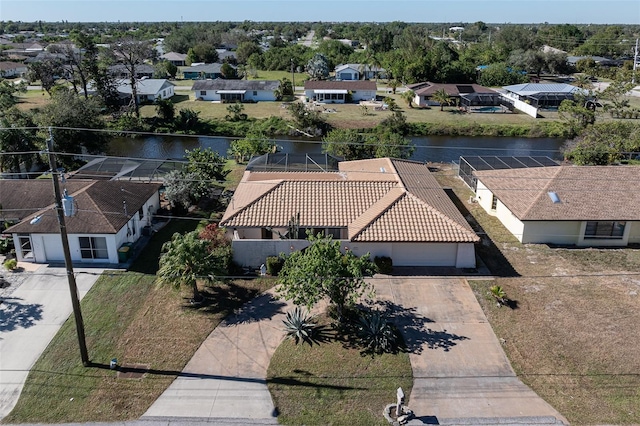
[
  {"x": 259, "y": 96},
  {"x": 553, "y": 232},
  {"x": 48, "y": 248},
  {"x": 363, "y": 95},
  {"x": 634, "y": 233}
]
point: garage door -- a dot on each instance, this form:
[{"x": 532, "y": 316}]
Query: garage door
[{"x": 416, "y": 254}]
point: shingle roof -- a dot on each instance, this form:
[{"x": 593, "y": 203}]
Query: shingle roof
[
  {"x": 586, "y": 192},
  {"x": 376, "y": 200},
  {"x": 340, "y": 85},
  {"x": 101, "y": 207},
  {"x": 148, "y": 86},
  {"x": 206, "y": 68},
  {"x": 174, "y": 56},
  {"x": 222, "y": 84}
]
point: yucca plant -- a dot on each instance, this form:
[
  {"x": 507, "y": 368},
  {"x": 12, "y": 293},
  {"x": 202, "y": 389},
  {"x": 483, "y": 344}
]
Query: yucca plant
[
  {"x": 303, "y": 327},
  {"x": 375, "y": 334},
  {"x": 499, "y": 294}
]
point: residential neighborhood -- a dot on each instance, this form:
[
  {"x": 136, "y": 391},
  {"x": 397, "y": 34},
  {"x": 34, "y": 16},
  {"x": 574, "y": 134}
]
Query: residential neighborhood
[{"x": 319, "y": 222}]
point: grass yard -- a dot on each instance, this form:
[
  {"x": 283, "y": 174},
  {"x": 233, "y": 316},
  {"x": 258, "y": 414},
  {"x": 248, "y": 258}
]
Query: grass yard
[
  {"x": 328, "y": 384},
  {"x": 573, "y": 338},
  {"x": 129, "y": 317}
]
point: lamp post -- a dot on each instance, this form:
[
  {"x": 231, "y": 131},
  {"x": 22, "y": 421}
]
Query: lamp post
[{"x": 73, "y": 288}]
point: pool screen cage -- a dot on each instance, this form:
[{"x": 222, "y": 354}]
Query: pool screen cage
[
  {"x": 470, "y": 164},
  {"x": 284, "y": 162}
]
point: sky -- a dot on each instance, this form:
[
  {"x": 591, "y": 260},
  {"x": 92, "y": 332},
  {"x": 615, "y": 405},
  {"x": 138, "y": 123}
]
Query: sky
[{"x": 452, "y": 11}]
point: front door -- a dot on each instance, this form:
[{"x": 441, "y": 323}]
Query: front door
[{"x": 24, "y": 241}]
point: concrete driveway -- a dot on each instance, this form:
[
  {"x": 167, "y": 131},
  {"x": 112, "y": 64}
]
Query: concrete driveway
[
  {"x": 31, "y": 313},
  {"x": 461, "y": 374}
]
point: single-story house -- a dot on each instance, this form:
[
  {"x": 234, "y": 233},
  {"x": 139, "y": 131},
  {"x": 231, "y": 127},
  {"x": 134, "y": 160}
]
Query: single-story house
[
  {"x": 359, "y": 71},
  {"x": 177, "y": 59},
  {"x": 568, "y": 205},
  {"x": 121, "y": 71},
  {"x": 108, "y": 215},
  {"x": 340, "y": 91},
  {"x": 12, "y": 69},
  {"x": 148, "y": 89},
  {"x": 384, "y": 207},
  {"x": 203, "y": 71},
  {"x": 235, "y": 90},
  {"x": 459, "y": 94},
  {"x": 530, "y": 97}
]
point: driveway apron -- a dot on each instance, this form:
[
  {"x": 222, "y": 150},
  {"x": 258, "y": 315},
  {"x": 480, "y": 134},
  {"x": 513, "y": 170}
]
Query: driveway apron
[
  {"x": 460, "y": 371},
  {"x": 30, "y": 316}
]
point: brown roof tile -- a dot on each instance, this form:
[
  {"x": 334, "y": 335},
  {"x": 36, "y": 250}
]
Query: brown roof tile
[{"x": 586, "y": 192}]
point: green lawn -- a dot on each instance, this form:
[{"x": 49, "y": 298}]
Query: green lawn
[{"x": 328, "y": 384}]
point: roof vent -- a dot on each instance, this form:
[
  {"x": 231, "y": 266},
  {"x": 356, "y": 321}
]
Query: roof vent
[
  {"x": 383, "y": 170},
  {"x": 554, "y": 197}
]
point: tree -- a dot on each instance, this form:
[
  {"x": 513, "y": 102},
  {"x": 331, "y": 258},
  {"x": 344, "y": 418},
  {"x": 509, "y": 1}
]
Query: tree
[
  {"x": 442, "y": 97},
  {"x": 74, "y": 120},
  {"x": 352, "y": 145},
  {"x": 603, "y": 143},
  {"x": 203, "y": 52},
  {"x": 181, "y": 188},
  {"x": 47, "y": 71},
  {"x": 165, "y": 109},
  {"x": 308, "y": 121},
  {"x": 255, "y": 143},
  {"x": 8, "y": 92},
  {"x": 235, "y": 112},
  {"x": 576, "y": 113},
  {"x": 132, "y": 53},
  {"x": 318, "y": 67},
  {"x": 408, "y": 96},
  {"x": 188, "y": 258},
  {"x": 208, "y": 167},
  {"x": 245, "y": 50},
  {"x": 187, "y": 119},
  {"x": 228, "y": 71},
  {"x": 14, "y": 138},
  {"x": 500, "y": 74},
  {"x": 321, "y": 271}
]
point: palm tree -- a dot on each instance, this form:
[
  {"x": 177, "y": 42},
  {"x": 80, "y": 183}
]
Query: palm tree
[
  {"x": 582, "y": 81},
  {"x": 185, "y": 259},
  {"x": 442, "y": 97},
  {"x": 408, "y": 96}
]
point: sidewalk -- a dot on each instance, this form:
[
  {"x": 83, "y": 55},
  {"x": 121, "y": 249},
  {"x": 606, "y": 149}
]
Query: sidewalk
[{"x": 32, "y": 311}]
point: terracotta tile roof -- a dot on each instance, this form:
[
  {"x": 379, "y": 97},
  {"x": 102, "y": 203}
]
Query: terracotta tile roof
[
  {"x": 376, "y": 200},
  {"x": 340, "y": 85},
  {"x": 586, "y": 192},
  {"x": 101, "y": 208}
]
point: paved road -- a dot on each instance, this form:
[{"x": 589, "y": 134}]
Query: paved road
[{"x": 31, "y": 313}]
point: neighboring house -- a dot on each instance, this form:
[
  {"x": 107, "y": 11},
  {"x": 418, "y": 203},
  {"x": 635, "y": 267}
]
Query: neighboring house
[
  {"x": 225, "y": 55},
  {"x": 384, "y": 207},
  {"x": 203, "y": 71},
  {"x": 339, "y": 91},
  {"x": 358, "y": 71},
  {"x": 121, "y": 71},
  {"x": 600, "y": 60},
  {"x": 177, "y": 59},
  {"x": 148, "y": 89},
  {"x": 567, "y": 205},
  {"x": 531, "y": 97},
  {"x": 12, "y": 69},
  {"x": 235, "y": 90},
  {"x": 460, "y": 94},
  {"x": 108, "y": 215}
]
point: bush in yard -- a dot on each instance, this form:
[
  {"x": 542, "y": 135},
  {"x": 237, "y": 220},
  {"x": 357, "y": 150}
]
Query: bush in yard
[
  {"x": 274, "y": 265},
  {"x": 384, "y": 264},
  {"x": 499, "y": 294},
  {"x": 376, "y": 334},
  {"x": 11, "y": 264},
  {"x": 303, "y": 327}
]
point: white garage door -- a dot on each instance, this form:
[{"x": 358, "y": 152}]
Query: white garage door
[{"x": 417, "y": 254}]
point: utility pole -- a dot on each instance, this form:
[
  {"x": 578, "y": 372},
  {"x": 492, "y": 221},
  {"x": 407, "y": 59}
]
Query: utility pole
[
  {"x": 73, "y": 288},
  {"x": 635, "y": 63},
  {"x": 293, "y": 80}
]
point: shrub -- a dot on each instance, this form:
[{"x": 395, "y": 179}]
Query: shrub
[
  {"x": 499, "y": 294},
  {"x": 384, "y": 264},
  {"x": 375, "y": 334},
  {"x": 11, "y": 264},
  {"x": 274, "y": 265},
  {"x": 301, "y": 326}
]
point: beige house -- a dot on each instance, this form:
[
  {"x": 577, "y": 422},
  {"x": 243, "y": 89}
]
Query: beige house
[
  {"x": 385, "y": 207},
  {"x": 566, "y": 205}
]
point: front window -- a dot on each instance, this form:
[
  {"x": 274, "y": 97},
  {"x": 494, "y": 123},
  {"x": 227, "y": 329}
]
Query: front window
[
  {"x": 494, "y": 202},
  {"x": 93, "y": 248},
  {"x": 604, "y": 230},
  {"x": 203, "y": 93}
]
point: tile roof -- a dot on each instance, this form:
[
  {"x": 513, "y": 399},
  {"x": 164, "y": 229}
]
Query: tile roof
[
  {"x": 100, "y": 207},
  {"x": 340, "y": 85},
  {"x": 376, "y": 200},
  {"x": 586, "y": 192}
]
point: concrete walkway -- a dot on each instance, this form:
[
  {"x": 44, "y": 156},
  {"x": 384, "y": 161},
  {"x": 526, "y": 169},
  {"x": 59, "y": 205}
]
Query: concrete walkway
[
  {"x": 461, "y": 374},
  {"x": 31, "y": 313},
  {"x": 226, "y": 378}
]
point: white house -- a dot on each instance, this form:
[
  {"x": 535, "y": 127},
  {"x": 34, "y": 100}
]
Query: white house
[
  {"x": 384, "y": 207},
  {"x": 109, "y": 214},
  {"x": 530, "y": 97},
  {"x": 358, "y": 71},
  {"x": 235, "y": 90},
  {"x": 566, "y": 205},
  {"x": 339, "y": 91},
  {"x": 148, "y": 89},
  {"x": 12, "y": 69}
]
